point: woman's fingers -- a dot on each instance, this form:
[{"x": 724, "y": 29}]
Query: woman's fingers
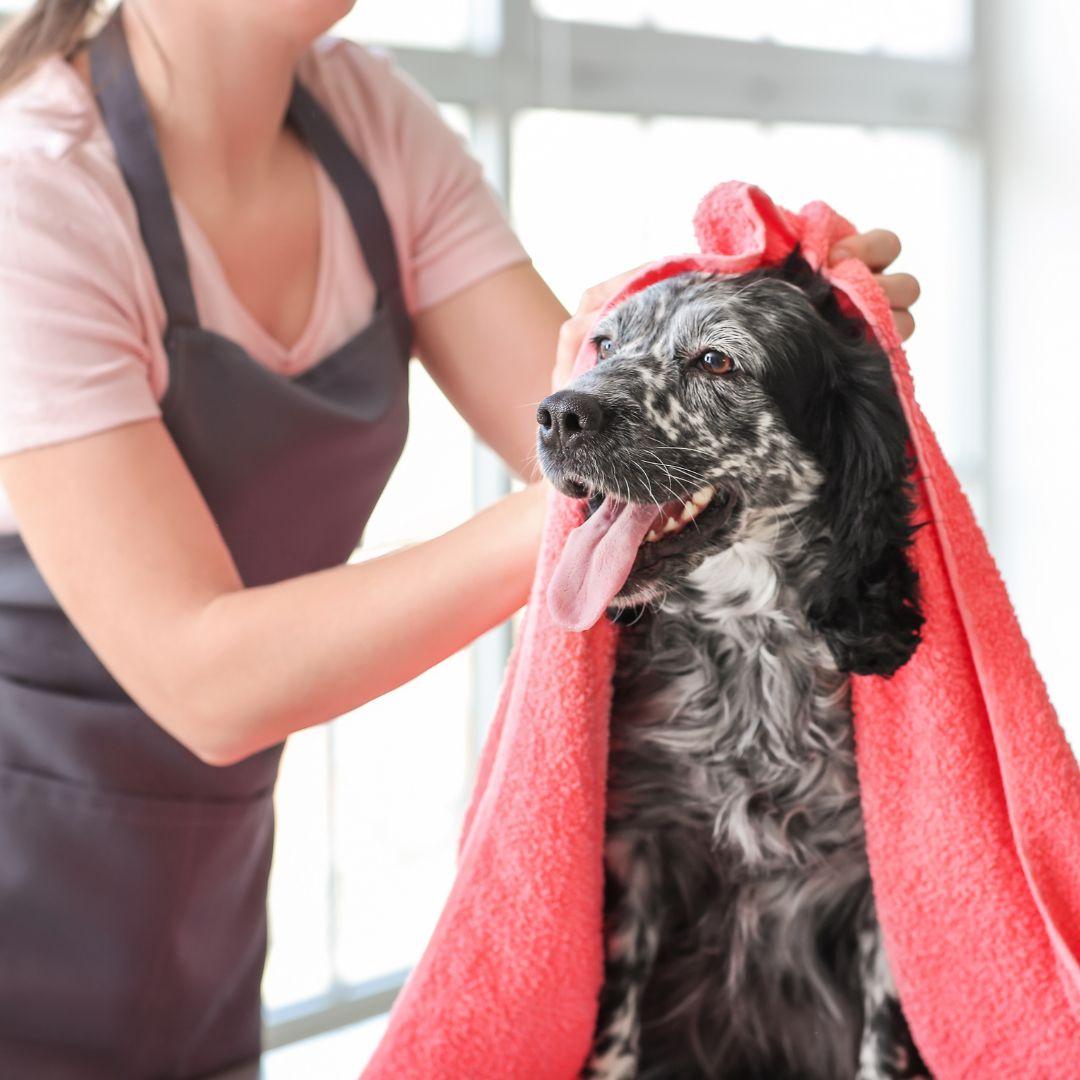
[
  {"x": 571, "y": 334},
  {"x": 905, "y": 324},
  {"x": 901, "y": 289},
  {"x": 877, "y": 248},
  {"x": 573, "y": 331},
  {"x": 596, "y": 296}
]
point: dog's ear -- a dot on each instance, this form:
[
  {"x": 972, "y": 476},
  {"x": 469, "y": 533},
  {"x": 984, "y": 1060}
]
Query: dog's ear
[{"x": 866, "y": 602}]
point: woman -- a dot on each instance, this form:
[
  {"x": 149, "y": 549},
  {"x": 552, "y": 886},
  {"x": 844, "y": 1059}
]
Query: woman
[{"x": 222, "y": 242}]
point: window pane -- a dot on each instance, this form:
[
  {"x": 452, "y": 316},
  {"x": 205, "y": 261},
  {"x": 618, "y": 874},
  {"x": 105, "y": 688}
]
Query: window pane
[
  {"x": 399, "y": 779},
  {"x": 577, "y": 192},
  {"x": 928, "y": 28},
  {"x": 633, "y": 187},
  {"x": 298, "y": 965}
]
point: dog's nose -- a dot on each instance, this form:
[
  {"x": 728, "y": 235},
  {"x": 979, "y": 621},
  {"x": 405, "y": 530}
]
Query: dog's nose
[{"x": 567, "y": 413}]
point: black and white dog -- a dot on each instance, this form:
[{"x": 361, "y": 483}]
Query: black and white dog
[{"x": 762, "y": 428}]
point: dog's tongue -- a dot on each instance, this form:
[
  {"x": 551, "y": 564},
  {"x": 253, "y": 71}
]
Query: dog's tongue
[{"x": 596, "y": 561}]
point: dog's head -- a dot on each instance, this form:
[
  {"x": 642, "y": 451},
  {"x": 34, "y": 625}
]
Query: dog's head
[{"x": 721, "y": 403}]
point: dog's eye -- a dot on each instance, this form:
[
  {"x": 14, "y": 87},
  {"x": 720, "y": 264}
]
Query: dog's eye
[
  {"x": 715, "y": 362},
  {"x": 605, "y": 347}
]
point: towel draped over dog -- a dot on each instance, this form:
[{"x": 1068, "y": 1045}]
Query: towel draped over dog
[{"x": 970, "y": 794}]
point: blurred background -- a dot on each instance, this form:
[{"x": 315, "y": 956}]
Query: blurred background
[{"x": 601, "y": 123}]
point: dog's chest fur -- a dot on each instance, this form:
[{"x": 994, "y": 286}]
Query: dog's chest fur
[{"x": 733, "y": 783}]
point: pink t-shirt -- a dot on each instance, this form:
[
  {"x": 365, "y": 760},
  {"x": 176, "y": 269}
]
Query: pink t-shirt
[{"x": 81, "y": 318}]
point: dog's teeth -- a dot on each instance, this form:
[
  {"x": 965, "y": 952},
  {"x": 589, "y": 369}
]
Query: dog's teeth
[
  {"x": 669, "y": 522},
  {"x": 703, "y": 496}
]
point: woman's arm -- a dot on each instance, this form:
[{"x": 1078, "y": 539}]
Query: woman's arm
[
  {"x": 124, "y": 539},
  {"x": 490, "y": 348},
  {"x": 122, "y": 535}
]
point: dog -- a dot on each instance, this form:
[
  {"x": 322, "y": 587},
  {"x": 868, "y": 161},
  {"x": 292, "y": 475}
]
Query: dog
[{"x": 761, "y": 424}]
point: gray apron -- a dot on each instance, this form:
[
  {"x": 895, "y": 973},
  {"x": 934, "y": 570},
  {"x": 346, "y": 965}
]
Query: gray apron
[{"x": 133, "y": 876}]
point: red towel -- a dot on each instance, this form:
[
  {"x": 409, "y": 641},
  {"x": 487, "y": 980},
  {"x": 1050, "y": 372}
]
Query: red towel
[{"x": 970, "y": 792}]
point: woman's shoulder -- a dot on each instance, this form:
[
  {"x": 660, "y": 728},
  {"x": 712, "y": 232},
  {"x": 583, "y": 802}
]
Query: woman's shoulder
[
  {"x": 67, "y": 220},
  {"x": 369, "y": 96},
  {"x": 49, "y": 113},
  {"x": 450, "y": 226},
  {"x": 335, "y": 60},
  {"x": 57, "y": 169}
]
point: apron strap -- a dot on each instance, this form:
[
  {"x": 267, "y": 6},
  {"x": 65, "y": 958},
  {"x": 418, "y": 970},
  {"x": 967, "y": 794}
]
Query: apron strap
[
  {"x": 127, "y": 119},
  {"x": 357, "y": 189}
]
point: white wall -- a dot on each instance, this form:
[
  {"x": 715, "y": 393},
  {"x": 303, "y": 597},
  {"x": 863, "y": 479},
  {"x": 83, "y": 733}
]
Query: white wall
[{"x": 1033, "y": 222}]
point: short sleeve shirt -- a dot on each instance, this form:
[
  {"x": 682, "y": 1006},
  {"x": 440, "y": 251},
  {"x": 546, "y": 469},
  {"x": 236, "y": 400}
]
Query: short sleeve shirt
[{"x": 81, "y": 319}]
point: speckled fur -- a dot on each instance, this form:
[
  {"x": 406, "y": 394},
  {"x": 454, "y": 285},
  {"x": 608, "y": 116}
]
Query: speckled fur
[
  {"x": 741, "y": 935},
  {"x": 739, "y": 894}
]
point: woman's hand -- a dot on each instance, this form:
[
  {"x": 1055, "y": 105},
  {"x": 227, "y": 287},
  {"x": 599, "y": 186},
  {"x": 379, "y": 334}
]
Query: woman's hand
[
  {"x": 879, "y": 248},
  {"x": 573, "y": 330}
]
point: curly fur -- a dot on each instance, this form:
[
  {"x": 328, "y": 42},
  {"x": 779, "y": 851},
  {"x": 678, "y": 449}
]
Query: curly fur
[
  {"x": 867, "y": 608},
  {"x": 741, "y": 934}
]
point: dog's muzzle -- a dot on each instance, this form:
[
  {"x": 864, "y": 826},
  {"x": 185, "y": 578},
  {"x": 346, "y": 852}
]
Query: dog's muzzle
[{"x": 569, "y": 418}]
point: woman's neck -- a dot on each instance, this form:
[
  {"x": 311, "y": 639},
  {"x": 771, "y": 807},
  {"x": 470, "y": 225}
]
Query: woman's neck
[{"x": 217, "y": 87}]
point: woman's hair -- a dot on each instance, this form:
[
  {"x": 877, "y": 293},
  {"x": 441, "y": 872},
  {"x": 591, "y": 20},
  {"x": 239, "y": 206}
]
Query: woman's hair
[{"x": 50, "y": 26}]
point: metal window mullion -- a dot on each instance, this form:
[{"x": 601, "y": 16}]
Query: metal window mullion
[
  {"x": 333, "y": 881},
  {"x": 346, "y": 1004},
  {"x": 984, "y": 261},
  {"x": 492, "y": 122},
  {"x": 614, "y": 69}
]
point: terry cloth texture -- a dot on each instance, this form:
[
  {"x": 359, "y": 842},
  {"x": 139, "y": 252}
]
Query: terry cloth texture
[{"x": 970, "y": 793}]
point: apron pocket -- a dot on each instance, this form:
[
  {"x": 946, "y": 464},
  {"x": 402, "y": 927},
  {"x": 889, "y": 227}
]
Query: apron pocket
[
  {"x": 110, "y": 746},
  {"x": 132, "y": 929}
]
